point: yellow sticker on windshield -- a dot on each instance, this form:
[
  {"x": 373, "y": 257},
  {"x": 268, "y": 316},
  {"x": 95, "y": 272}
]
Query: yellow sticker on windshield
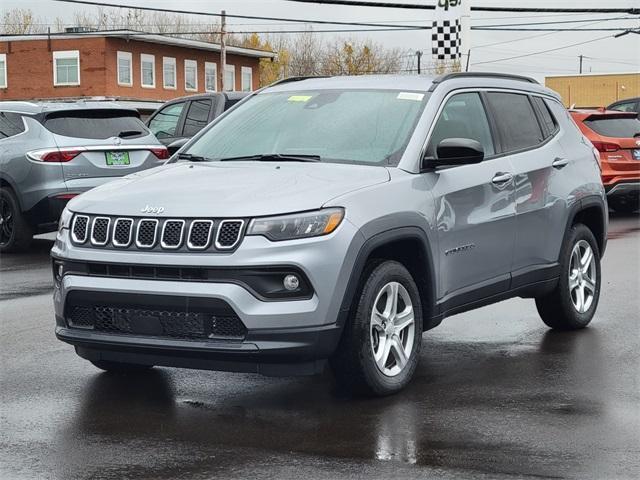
[
  {"x": 416, "y": 97},
  {"x": 300, "y": 98}
]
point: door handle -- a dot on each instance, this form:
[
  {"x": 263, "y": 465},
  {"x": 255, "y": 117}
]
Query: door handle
[
  {"x": 560, "y": 163},
  {"x": 502, "y": 178}
]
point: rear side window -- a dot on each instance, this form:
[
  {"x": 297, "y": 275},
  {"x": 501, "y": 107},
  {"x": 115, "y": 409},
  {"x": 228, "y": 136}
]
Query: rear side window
[
  {"x": 546, "y": 117},
  {"x": 197, "y": 117},
  {"x": 96, "y": 124},
  {"x": 10, "y": 124},
  {"x": 514, "y": 115},
  {"x": 615, "y": 127},
  {"x": 625, "y": 107},
  {"x": 165, "y": 123}
]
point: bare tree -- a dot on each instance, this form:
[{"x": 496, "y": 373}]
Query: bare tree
[{"x": 19, "y": 21}]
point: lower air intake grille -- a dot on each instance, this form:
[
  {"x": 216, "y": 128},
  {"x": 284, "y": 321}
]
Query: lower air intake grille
[{"x": 168, "y": 320}]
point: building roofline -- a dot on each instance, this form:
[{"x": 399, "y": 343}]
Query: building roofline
[
  {"x": 133, "y": 35},
  {"x": 574, "y": 75}
]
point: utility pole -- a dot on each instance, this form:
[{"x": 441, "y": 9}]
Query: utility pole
[
  {"x": 419, "y": 54},
  {"x": 223, "y": 49},
  {"x": 581, "y": 57}
]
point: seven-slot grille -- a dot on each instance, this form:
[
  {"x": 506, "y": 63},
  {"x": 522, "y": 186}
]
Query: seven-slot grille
[{"x": 158, "y": 234}]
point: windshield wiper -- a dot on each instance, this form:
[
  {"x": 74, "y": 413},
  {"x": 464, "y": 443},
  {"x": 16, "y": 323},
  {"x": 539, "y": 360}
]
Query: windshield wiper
[
  {"x": 274, "y": 157},
  {"x": 129, "y": 133},
  {"x": 192, "y": 158}
]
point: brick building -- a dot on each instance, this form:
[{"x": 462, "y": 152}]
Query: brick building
[{"x": 123, "y": 65}]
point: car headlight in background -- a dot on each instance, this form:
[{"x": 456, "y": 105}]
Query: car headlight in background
[
  {"x": 65, "y": 219},
  {"x": 298, "y": 225}
]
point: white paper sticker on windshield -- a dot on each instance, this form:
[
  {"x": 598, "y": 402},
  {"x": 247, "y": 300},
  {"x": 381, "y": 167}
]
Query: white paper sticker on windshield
[{"x": 416, "y": 97}]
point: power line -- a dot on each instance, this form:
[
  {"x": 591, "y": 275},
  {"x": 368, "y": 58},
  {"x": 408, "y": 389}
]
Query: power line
[
  {"x": 413, "y": 6},
  {"x": 543, "y": 51},
  {"x": 245, "y": 17}
]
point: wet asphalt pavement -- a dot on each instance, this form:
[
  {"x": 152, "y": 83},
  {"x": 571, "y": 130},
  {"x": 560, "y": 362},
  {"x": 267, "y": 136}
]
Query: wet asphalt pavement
[{"x": 496, "y": 395}]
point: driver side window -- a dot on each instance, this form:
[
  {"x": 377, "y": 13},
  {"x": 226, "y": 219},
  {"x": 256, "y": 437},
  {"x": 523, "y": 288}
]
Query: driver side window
[
  {"x": 165, "y": 123},
  {"x": 463, "y": 116}
]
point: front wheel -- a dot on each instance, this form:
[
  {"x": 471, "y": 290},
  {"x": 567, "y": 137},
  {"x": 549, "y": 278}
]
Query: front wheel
[
  {"x": 573, "y": 303},
  {"x": 380, "y": 347}
]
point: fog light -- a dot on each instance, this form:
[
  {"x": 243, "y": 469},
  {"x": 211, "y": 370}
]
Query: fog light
[{"x": 291, "y": 282}]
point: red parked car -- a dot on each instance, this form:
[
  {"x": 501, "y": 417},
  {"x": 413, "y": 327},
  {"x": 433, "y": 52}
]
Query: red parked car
[{"x": 616, "y": 135}]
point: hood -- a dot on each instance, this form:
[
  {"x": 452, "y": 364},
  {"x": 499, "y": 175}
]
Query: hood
[{"x": 238, "y": 189}]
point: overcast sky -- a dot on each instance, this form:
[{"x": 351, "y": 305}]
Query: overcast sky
[{"x": 608, "y": 55}]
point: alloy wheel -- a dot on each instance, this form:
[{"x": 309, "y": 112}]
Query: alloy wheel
[
  {"x": 582, "y": 276},
  {"x": 392, "y": 329},
  {"x": 6, "y": 222}
]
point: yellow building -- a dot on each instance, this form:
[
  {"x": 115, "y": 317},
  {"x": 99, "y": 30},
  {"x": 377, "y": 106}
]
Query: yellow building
[{"x": 595, "y": 90}]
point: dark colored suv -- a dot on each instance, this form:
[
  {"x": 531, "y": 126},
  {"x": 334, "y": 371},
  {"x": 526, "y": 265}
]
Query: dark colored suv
[{"x": 183, "y": 117}]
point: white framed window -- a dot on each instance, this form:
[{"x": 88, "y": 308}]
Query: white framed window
[
  {"x": 229, "y": 78},
  {"x": 246, "y": 77},
  {"x": 66, "y": 67},
  {"x": 3, "y": 70},
  {"x": 191, "y": 75},
  {"x": 125, "y": 69},
  {"x": 147, "y": 70},
  {"x": 169, "y": 77},
  {"x": 210, "y": 76}
]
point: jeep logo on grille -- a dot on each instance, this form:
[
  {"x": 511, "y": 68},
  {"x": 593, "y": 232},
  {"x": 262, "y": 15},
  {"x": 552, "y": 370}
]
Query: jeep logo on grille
[{"x": 150, "y": 209}]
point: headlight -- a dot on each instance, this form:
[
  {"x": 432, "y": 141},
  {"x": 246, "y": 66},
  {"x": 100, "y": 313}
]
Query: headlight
[
  {"x": 299, "y": 225},
  {"x": 65, "y": 219}
]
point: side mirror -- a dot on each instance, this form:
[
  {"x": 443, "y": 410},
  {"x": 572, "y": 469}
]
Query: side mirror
[
  {"x": 456, "y": 151},
  {"x": 176, "y": 145}
]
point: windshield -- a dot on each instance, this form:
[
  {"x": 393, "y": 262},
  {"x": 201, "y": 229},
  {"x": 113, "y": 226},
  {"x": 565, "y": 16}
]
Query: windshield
[
  {"x": 617, "y": 127},
  {"x": 346, "y": 126}
]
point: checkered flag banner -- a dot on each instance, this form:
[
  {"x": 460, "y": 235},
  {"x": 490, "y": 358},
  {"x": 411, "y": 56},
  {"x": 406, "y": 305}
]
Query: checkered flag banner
[
  {"x": 446, "y": 32},
  {"x": 446, "y": 36}
]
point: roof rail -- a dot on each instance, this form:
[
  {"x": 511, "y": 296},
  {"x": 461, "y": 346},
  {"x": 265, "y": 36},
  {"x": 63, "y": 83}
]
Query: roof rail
[
  {"x": 503, "y": 76},
  {"x": 295, "y": 79}
]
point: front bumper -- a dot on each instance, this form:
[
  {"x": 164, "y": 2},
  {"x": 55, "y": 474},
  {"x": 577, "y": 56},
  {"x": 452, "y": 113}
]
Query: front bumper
[{"x": 283, "y": 337}]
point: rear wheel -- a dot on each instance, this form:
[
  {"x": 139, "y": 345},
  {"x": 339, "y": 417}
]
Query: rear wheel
[
  {"x": 380, "y": 347},
  {"x": 119, "y": 367},
  {"x": 573, "y": 303},
  {"x": 16, "y": 234}
]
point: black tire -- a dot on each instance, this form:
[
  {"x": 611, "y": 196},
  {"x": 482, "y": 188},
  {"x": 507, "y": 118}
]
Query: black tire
[
  {"x": 557, "y": 309},
  {"x": 625, "y": 204},
  {"x": 118, "y": 367},
  {"x": 16, "y": 234},
  {"x": 353, "y": 363}
]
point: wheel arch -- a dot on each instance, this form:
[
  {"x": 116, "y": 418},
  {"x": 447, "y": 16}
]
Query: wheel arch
[
  {"x": 400, "y": 244},
  {"x": 592, "y": 212}
]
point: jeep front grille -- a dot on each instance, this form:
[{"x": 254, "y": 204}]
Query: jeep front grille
[
  {"x": 147, "y": 231},
  {"x": 202, "y": 235},
  {"x": 80, "y": 228},
  {"x": 172, "y": 234}
]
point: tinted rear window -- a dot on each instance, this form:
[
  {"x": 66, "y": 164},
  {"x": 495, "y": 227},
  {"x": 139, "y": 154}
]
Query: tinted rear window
[
  {"x": 96, "y": 124},
  {"x": 516, "y": 120},
  {"x": 614, "y": 127}
]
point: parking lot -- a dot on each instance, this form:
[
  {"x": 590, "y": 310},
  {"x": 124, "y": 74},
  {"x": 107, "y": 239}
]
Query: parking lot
[{"x": 496, "y": 395}]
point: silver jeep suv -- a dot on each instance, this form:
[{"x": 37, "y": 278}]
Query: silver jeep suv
[{"x": 337, "y": 219}]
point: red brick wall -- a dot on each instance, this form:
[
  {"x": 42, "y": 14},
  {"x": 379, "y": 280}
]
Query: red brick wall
[{"x": 30, "y": 69}]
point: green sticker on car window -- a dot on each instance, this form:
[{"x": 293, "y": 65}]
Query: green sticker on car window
[{"x": 300, "y": 98}]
